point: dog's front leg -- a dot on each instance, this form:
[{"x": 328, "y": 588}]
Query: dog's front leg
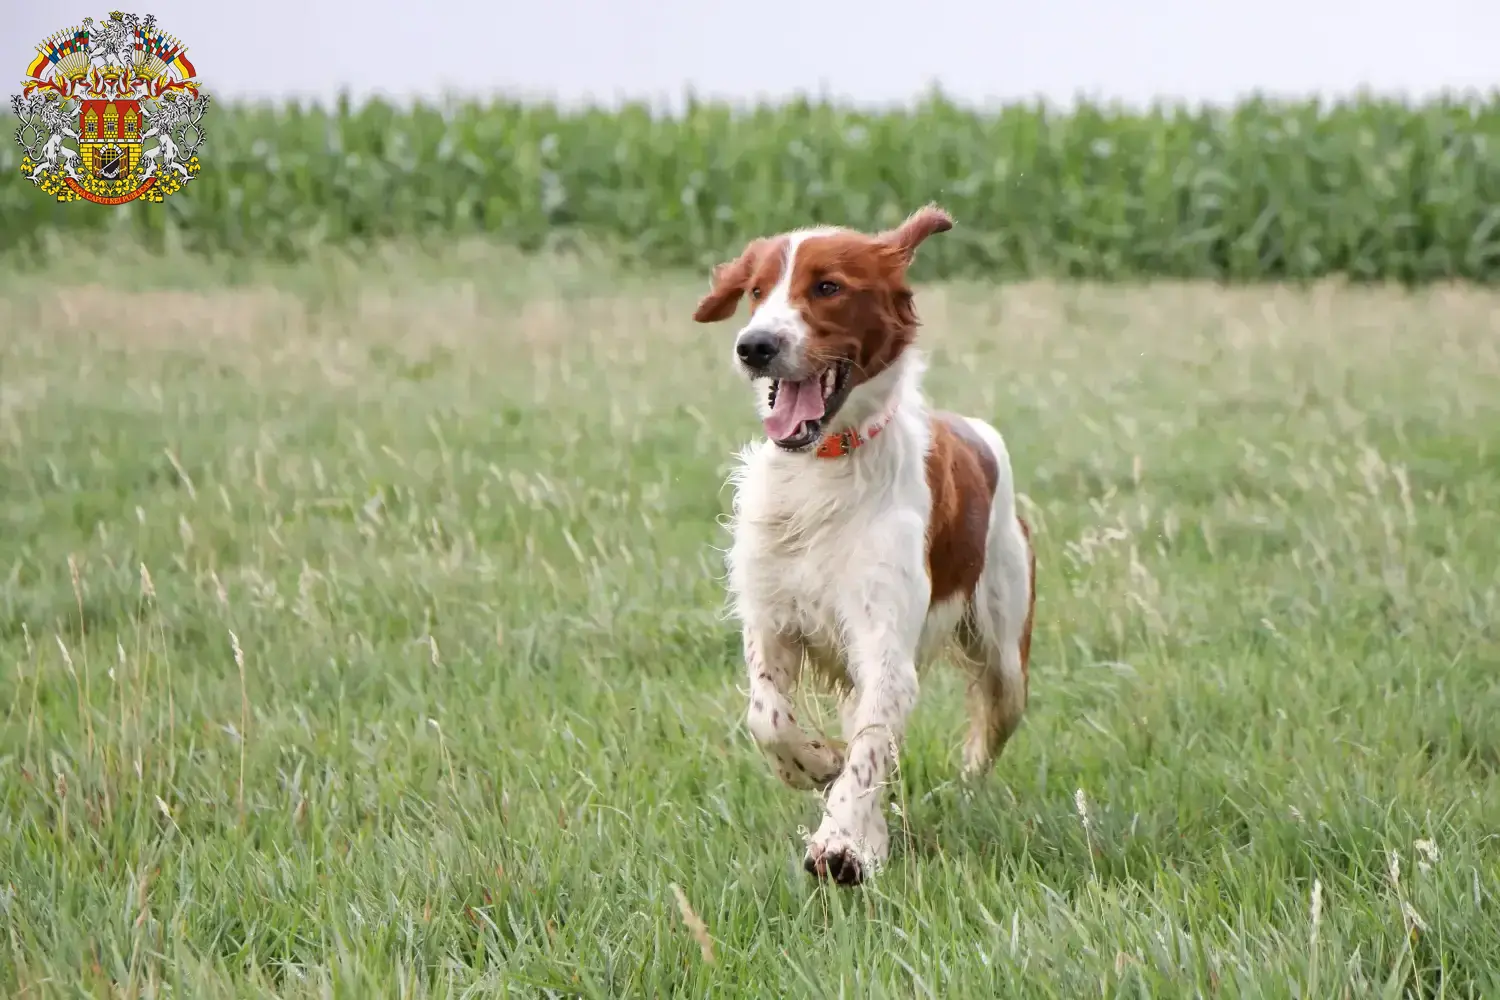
[
  {"x": 773, "y": 662},
  {"x": 882, "y": 659}
]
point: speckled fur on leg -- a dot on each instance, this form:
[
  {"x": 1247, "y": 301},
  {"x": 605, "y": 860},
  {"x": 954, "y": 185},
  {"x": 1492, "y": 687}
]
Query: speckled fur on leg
[
  {"x": 773, "y": 662},
  {"x": 854, "y": 835}
]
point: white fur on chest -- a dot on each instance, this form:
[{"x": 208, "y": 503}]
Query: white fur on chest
[{"x": 823, "y": 546}]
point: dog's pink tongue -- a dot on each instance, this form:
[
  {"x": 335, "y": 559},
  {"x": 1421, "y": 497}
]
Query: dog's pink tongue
[{"x": 795, "y": 402}]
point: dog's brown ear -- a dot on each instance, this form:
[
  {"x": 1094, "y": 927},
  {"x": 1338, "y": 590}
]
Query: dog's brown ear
[
  {"x": 727, "y": 286},
  {"x": 922, "y": 223}
]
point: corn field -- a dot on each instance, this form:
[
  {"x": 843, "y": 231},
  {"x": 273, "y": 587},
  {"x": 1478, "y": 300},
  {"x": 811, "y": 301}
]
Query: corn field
[{"x": 1369, "y": 189}]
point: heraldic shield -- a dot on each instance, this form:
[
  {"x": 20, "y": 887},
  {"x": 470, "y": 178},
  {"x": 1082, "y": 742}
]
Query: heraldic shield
[
  {"x": 109, "y": 139},
  {"x": 110, "y": 113}
]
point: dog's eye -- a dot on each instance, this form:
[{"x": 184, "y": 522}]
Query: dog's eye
[
  {"x": 823, "y": 289},
  {"x": 755, "y": 292}
]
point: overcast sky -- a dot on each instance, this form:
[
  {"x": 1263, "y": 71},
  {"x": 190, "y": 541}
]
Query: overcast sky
[{"x": 864, "y": 50}]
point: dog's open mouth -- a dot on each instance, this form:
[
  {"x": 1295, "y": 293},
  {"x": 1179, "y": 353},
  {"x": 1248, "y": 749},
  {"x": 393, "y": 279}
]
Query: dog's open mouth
[{"x": 800, "y": 410}]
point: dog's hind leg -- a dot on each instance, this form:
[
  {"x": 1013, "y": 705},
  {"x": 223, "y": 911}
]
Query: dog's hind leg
[
  {"x": 773, "y": 662},
  {"x": 996, "y": 636}
]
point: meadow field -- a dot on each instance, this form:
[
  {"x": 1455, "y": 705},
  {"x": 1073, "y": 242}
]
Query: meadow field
[{"x": 363, "y": 635}]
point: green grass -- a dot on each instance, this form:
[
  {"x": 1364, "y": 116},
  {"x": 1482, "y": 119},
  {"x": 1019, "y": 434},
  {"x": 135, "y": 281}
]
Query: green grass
[
  {"x": 1262, "y": 191},
  {"x": 459, "y": 515}
]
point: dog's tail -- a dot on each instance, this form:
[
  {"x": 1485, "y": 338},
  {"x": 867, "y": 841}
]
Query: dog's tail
[{"x": 1030, "y": 603}]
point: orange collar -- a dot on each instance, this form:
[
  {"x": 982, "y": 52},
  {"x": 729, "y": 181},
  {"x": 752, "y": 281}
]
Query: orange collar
[{"x": 841, "y": 444}]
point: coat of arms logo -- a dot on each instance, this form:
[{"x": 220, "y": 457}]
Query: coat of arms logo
[{"x": 110, "y": 112}]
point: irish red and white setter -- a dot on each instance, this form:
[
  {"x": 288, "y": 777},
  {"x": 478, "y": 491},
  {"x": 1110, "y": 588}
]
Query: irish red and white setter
[{"x": 870, "y": 532}]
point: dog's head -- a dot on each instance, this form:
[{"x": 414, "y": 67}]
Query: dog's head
[{"x": 830, "y": 310}]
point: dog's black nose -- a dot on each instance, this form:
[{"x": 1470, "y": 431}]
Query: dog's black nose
[{"x": 758, "y": 349}]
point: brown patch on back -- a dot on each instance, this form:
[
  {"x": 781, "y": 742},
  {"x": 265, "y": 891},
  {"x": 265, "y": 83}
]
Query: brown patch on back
[
  {"x": 961, "y": 472},
  {"x": 1030, "y": 604},
  {"x": 981, "y": 448}
]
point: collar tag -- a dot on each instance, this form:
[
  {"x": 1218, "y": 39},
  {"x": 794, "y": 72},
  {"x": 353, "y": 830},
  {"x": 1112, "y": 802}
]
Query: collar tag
[{"x": 843, "y": 443}]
